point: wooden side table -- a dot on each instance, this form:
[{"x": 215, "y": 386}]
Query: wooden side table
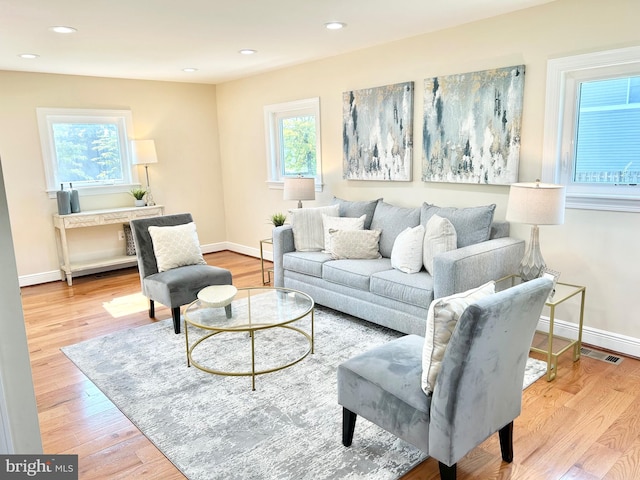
[
  {"x": 268, "y": 270},
  {"x": 549, "y": 344}
]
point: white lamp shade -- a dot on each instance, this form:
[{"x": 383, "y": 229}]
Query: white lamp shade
[
  {"x": 143, "y": 152},
  {"x": 299, "y": 188},
  {"x": 536, "y": 203}
]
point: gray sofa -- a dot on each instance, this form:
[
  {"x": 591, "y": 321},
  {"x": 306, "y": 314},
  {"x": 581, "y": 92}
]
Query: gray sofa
[{"x": 373, "y": 290}]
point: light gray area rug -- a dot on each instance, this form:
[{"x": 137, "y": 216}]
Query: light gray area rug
[{"x": 215, "y": 427}]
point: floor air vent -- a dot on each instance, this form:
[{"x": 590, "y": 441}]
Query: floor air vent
[{"x": 605, "y": 357}]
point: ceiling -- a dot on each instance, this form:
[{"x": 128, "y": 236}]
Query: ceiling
[{"x": 157, "y": 39}]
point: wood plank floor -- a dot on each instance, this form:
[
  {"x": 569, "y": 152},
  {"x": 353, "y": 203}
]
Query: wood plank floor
[{"x": 583, "y": 426}]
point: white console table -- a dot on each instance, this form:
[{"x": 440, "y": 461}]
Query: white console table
[{"x": 95, "y": 218}]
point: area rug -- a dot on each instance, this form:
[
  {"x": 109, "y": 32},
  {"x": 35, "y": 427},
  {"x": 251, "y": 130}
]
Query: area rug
[{"x": 215, "y": 427}]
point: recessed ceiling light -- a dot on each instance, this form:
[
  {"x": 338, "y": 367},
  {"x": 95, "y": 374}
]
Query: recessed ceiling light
[
  {"x": 189, "y": 69},
  {"x": 28, "y": 55},
  {"x": 247, "y": 51},
  {"x": 334, "y": 25},
  {"x": 62, "y": 29}
]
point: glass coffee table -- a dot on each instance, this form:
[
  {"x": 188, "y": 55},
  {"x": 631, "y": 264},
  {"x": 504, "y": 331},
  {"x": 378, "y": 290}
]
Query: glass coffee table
[{"x": 261, "y": 320}]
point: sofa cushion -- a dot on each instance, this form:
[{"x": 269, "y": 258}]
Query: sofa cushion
[
  {"x": 472, "y": 224},
  {"x": 306, "y": 223},
  {"x": 308, "y": 263},
  {"x": 416, "y": 289},
  {"x": 339, "y": 223},
  {"x": 440, "y": 236},
  {"x": 354, "y": 244},
  {"x": 391, "y": 220},
  {"x": 354, "y": 273},
  {"x": 357, "y": 208},
  {"x": 441, "y": 322},
  {"x": 406, "y": 254}
]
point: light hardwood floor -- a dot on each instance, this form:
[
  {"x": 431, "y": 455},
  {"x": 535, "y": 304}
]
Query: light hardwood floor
[{"x": 583, "y": 426}]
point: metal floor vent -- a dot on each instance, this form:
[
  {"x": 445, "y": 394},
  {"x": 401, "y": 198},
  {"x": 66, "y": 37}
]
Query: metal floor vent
[{"x": 605, "y": 357}]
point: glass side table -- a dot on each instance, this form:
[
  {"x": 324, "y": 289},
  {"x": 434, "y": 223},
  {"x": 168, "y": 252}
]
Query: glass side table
[
  {"x": 547, "y": 343},
  {"x": 269, "y": 270}
]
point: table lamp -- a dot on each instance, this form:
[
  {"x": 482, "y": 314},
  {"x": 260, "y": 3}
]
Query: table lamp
[
  {"x": 536, "y": 204},
  {"x": 299, "y": 188},
  {"x": 144, "y": 153}
]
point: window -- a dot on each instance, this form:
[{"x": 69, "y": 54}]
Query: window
[
  {"x": 293, "y": 140},
  {"x": 89, "y": 148},
  {"x": 592, "y": 129}
]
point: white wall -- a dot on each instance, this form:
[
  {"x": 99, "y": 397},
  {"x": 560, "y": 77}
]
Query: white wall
[{"x": 596, "y": 249}]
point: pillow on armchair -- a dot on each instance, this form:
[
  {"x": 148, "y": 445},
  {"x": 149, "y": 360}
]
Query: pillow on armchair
[{"x": 176, "y": 246}]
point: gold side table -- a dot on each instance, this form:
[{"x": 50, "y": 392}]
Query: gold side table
[
  {"x": 549, "y": 344},
  {"x": 268, "y": 270}
]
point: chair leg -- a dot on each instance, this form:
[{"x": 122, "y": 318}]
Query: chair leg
[
  {"x": 152, "y": 309},
  {"x": 348, "y": 426},
  {"x": 227, "y": 310},
  {"x": 446, "y": 472},
  {"x": 506, "y": 442},
  {"x": 175, "y": 312}
]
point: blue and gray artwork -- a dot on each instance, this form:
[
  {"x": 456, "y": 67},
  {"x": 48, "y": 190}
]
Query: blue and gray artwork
[
  {"x": 472, "y": 124},
  {"x": 377, "y": 133}
]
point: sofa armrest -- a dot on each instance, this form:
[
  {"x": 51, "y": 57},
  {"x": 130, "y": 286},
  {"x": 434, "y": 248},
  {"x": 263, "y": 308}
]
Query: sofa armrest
[
  {"x": 282, "y": 243},
  {"x": 468, "y": 267}
]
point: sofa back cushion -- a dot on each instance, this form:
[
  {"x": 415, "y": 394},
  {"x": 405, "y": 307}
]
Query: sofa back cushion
[
  {"x": 356, "y": 209},
  {"x": 306, "y": 223},
  {"x": 472, "y": 224},
  {"x": 391, "y": 220}
]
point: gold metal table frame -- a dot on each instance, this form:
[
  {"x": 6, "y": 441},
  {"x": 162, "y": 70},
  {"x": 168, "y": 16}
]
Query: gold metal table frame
[{"x": 215, "y": 322}]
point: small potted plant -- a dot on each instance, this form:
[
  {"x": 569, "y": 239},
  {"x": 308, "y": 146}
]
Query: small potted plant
[
  {"x": 138, "y": 194},
  {"x": 278, "y": 219}
]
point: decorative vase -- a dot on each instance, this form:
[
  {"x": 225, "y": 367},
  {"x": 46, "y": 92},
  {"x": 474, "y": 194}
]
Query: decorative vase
[
  {"x": 75, "y": 199},
  {"x": 64, "y": 201}
]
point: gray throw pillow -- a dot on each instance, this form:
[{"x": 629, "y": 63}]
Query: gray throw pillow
[
  {"x": 391, "y": 220},
  {"x": 356, "y": 209},
  {"x": 472, "y": 224}
]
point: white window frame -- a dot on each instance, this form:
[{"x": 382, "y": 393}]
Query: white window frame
[
  {"x": 272, "y": 114},
  {"x": 124, "y": 121},
  {"x": 563, "y": 79}
]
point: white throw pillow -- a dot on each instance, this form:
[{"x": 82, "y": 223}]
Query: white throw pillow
[
  {"x": 406, "y": 254},
  {"x": 176, "y": 246},
  {"x": 439, "y": 237},
  {"x": 308, "y": 234},
  {"x": 441, "y": 322},
  {"x": 360, "y": 244},
  {"x": 339, "y": 223}
]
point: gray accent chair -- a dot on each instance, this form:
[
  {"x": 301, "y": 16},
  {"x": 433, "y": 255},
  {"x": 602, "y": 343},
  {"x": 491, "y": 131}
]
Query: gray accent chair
[
  {"x": 478, "y": 391},
  {"x": 178, "y": 286}
]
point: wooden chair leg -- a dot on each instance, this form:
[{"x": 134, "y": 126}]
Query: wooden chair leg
[
  {"x": 348, "y": 426},
  {"x": 175, "y": 312},
  {"x": 152, "y": 309},
  {"x": 446, "y": 472},
  {"x": 506, "y": 442}
]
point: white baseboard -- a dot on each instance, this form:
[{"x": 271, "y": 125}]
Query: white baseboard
[
  {"x": 592, "y": 336},
  {"x": 595, "y": 337}
]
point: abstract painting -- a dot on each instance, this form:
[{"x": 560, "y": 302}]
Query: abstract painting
[
  {"x": 377, "y": 133},
  {"x": 472, "y": 123}
]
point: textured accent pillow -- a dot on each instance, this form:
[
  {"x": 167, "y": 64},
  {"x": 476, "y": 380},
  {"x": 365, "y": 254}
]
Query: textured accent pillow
[
  {"x": 350, "y": 208},
  {"x": 472, "y": 224},
  {"x": 176, "y": 246},
  {"x": 439, "y": 237},
  {"x": 360, "y": 244},
  {"x": 392, "y": 220},
  {"x": 308, "y": 234},
  {"x": 130, "y": 246},
  {"x": 441, "y": 322},
  {"x": 406, "y": 255},
  {"x": 339, "y": 223}
]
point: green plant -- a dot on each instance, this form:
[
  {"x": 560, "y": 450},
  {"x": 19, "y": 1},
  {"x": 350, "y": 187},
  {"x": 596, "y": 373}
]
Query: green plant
[
  {"x": 278, "y": 219},
  {"x": 138, "y": 193}
]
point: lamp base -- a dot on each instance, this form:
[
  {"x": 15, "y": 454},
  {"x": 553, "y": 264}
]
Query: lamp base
[
  {"x": 532, "y": 263},
  {"x": 149, "y": 199}
]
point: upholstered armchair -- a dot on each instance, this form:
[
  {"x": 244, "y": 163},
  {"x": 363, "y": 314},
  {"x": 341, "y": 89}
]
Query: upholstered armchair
[
  {"x": 172, "y": 270},
  {"x": 477, "y": 392}
]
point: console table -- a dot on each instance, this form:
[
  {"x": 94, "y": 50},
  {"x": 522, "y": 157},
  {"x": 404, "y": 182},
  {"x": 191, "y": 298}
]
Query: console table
[{"x": 96, "y": 218}]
